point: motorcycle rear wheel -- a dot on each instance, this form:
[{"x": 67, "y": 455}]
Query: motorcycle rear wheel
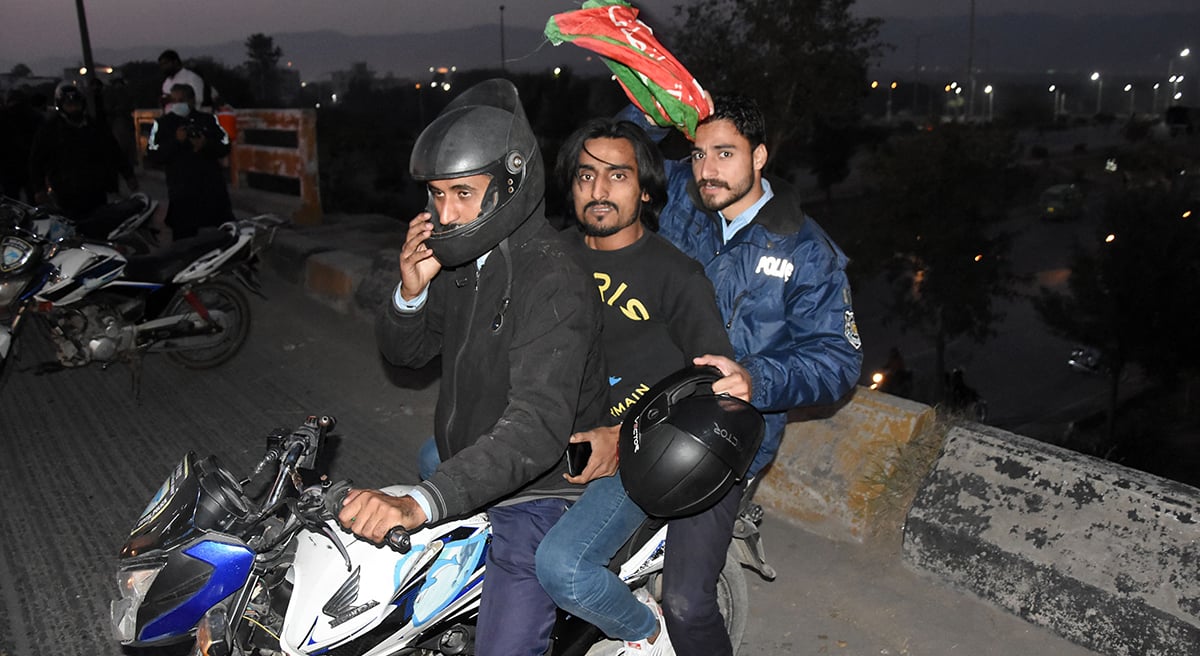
[{"x": 232, "y": 310}]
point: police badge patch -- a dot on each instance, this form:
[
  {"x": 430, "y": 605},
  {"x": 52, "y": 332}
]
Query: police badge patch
[{"x": 851, "y": 331}]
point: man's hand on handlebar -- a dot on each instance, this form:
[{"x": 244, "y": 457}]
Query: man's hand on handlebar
[{"x": 370, "y": 514}]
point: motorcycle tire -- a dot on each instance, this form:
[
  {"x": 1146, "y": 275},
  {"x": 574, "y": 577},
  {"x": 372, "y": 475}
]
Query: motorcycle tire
[{"x": 234, "y": 313}]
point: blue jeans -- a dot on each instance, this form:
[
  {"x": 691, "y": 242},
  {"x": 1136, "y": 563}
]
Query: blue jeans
[
  {"x": 515, "y": 613},
  {"x": 428, "y": 459},
  {"x": 572, "y": 561}
]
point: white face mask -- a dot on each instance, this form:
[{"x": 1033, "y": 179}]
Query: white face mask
[{"x": 179, "y": 109}]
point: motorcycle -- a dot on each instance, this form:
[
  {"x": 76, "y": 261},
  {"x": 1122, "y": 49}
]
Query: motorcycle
[
  {"x": 98, "y": 305},
  {"x": 208, "y": 561}
]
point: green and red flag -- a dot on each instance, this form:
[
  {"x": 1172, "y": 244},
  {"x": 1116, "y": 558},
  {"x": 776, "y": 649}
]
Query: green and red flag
[{"x": 652, "y": 78}]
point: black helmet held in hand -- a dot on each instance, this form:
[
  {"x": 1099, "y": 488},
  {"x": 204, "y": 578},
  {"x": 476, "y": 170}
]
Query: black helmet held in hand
[
  {"x": 682, "y": 447},
  {"x": 483, "y": 131}
]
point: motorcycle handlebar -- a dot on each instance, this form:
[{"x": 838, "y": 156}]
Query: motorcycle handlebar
[{"x": 397, "y": 538}]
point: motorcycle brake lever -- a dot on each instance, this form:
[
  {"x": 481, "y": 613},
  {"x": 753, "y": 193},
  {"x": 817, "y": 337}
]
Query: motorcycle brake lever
[{"x": 312, "y": 509}]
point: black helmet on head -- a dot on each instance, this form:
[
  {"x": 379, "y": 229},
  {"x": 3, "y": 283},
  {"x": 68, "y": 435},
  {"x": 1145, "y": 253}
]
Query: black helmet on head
[
  {"x": 483, "y": 131},
  {"x": 67, "y": 92},
  {"x": 682, "y": 447}
]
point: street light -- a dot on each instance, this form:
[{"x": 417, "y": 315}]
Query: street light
[
  {"x": 1099, "y": 89},
  {"x": 987, "y": 91},
  {"x": 1054, "y": 90},
  {"x": 1176, "y": 79},
  {"x": 1132, "y": 93}
]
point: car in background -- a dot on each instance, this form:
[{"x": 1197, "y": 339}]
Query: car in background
[{"x": 1060, "y": 202}]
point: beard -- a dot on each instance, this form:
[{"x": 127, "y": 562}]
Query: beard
[
  {"x": 726, "y": 195},
  {"x": 605, "y": 229}
]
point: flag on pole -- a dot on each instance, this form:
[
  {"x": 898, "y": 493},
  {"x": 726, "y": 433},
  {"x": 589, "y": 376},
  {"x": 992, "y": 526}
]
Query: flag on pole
[{"x": 652, "y": 78}]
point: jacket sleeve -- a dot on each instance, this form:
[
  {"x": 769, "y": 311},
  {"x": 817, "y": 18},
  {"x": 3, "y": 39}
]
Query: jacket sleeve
[
  {"x": 216, "y": 143},
  {"x": 822, "y": 358},
  {"x": 162, "y": 144},
  {"x": 548, "y": 355},
  {"x": 410, "y": 339}
]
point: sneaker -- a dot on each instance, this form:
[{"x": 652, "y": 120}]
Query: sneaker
[{"x": 661, "y": 645}]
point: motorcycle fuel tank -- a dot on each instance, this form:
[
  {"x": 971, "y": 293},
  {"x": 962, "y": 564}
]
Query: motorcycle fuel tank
[
  {"x": 79, "y": 270},
  {"x": 331, "y": 605}
]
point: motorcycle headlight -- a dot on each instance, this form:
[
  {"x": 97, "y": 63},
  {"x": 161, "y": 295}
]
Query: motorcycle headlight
[{"x": 133, "y": 584}]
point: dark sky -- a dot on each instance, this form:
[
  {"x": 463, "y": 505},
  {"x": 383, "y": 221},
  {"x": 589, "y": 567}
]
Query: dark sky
[{"x": 35, "y": 29}]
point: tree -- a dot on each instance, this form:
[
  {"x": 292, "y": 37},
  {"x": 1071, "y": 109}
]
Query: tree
[
  {"x": 938, "y": 194},
  {"x": 1130, "y": 297},
  {"x": 804, "y": 59},
  {"x": 262, "y": 67},
  {"x": 231, "y": 83},
  {"x": 20, "y": 70}
]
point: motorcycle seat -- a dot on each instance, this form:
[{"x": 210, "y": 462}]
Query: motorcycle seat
[{"x": 163, "y": 266}]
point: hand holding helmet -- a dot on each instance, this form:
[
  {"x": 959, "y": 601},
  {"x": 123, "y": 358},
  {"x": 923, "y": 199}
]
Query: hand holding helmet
[{"x": 683, "y": 447}]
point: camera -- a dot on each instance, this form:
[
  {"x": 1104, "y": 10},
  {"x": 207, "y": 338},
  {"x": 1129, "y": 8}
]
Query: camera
[{"x": 195, "y": 130}]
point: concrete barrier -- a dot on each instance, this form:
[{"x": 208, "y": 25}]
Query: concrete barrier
[
  {"x": 830, "y": 471},
  {"x": 332, "y": 277},
  {"x": 1104, "y": 555}
]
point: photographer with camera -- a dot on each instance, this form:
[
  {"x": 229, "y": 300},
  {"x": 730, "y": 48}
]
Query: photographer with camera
[{"x": 189, "y": 144}]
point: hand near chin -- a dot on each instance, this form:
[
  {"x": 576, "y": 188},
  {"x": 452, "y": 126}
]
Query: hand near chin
[{"x": 418, "y": 266}]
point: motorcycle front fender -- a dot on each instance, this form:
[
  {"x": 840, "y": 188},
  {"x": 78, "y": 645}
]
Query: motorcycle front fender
[{"x": 6, "y": 338}]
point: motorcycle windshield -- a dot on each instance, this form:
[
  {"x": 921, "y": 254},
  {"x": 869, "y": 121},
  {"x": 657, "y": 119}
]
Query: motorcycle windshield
[{"x": 170, "y": 516}]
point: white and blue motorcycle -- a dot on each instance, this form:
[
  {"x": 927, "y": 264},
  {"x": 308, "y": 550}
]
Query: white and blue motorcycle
[
  {"x": 98, "y": 305},
  {"x": 209, "y": 561}
]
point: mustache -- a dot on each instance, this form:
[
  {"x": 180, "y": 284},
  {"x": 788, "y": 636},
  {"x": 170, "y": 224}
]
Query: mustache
[
  {"x": 601, "y": 203},
  {"x": 713, "y": 182}
]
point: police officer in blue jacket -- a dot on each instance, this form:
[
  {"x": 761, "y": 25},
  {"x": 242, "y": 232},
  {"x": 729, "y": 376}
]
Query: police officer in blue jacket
[{"x": 782, "y": 290}]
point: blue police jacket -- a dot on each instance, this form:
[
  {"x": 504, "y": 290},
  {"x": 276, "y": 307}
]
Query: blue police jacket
[{"x": 782, "y": 289}]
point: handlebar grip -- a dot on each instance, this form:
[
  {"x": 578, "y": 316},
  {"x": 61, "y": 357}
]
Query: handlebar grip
[
  {"x": 335, "y": 496},
  {"x": 398, "y": 539}
]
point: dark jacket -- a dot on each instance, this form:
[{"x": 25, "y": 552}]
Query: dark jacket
[
  {"x": 781, "y": 286},
  {"x": 78, "y": 161},
  {"x": 196, "y": 186},
  {"x": 518, "y": 376}
]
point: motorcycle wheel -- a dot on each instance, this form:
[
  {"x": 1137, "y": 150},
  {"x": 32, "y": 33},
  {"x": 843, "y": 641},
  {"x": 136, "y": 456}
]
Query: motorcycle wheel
[
  {"x": 233, "y": 315},
  {"x": 732, "y": 599}
]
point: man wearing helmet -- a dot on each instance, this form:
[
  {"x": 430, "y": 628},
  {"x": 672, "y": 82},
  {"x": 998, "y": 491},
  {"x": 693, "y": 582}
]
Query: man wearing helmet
[
  {"x": 74, "y": 160},
  {"x": 488, "y": 283},
  {"x": 782, "y": 291},
  {"x": 660, "y": 315}
]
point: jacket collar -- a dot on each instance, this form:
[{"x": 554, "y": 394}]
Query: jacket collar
[{"x": 781, "y": 215}]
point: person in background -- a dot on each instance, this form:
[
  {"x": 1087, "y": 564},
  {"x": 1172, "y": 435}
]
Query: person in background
[
  {"x": 74, "y": 161},
  {"x": 19, "y": 121},
  {"x": 189, "y": 145},
  {"x": 174, "y": 73}
]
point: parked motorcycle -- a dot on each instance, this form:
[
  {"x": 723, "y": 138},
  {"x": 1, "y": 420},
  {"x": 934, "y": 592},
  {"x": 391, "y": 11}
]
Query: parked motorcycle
[
  {"x": 98, "y": 305},
  {"x": 207, "y": 559}
]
